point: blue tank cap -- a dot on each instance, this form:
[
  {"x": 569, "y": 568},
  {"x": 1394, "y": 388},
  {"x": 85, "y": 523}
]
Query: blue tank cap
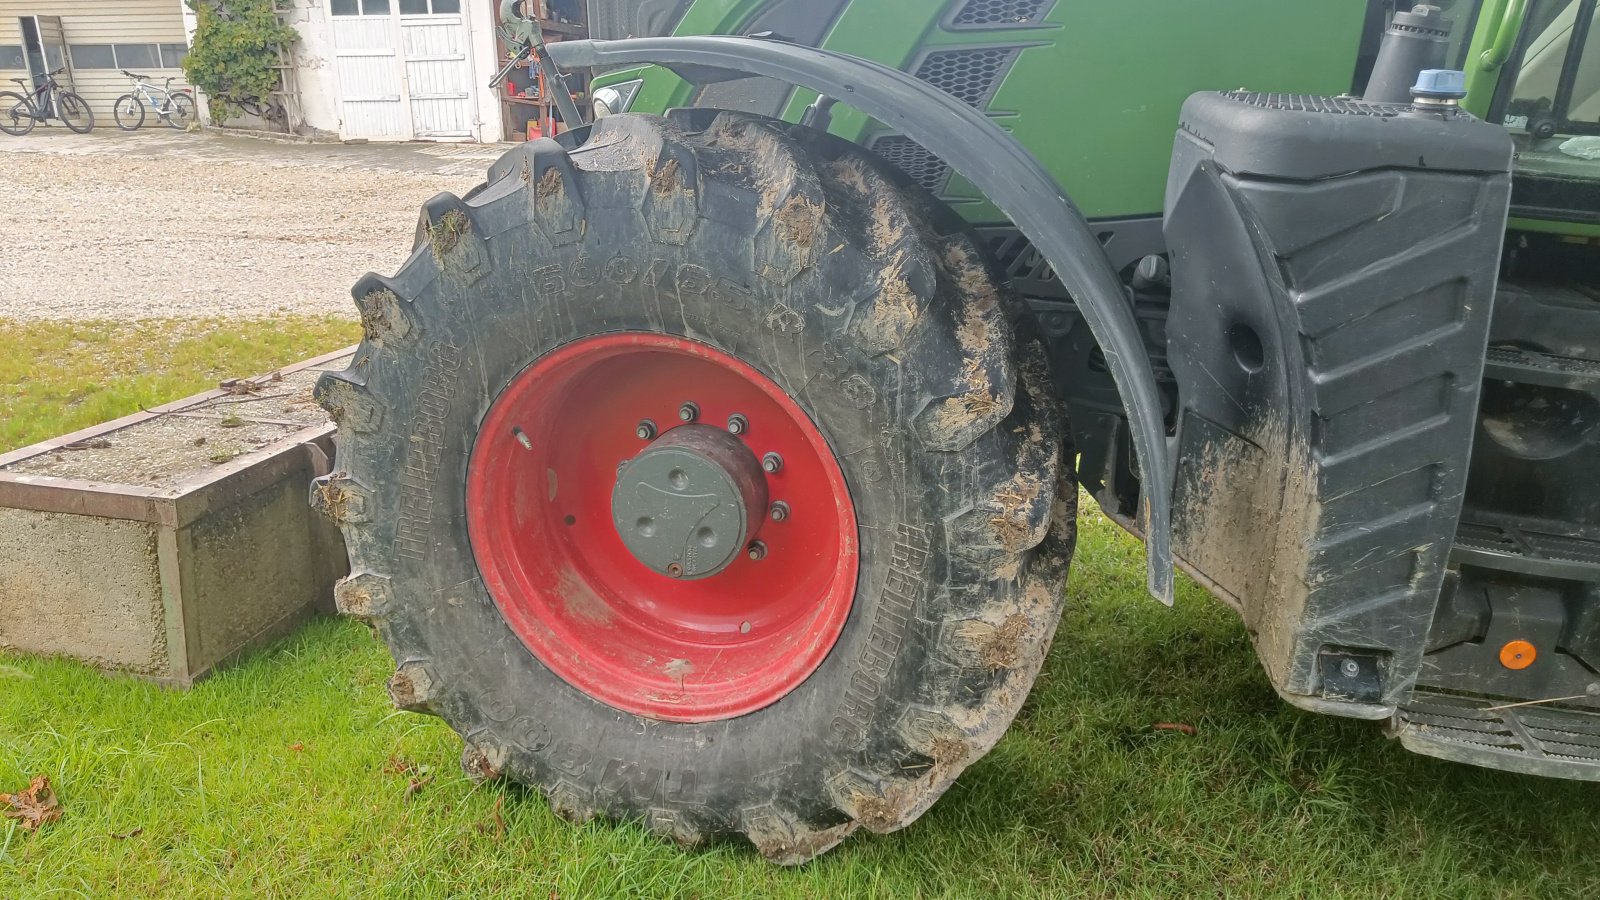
[{"x": 1443, "y": 84}]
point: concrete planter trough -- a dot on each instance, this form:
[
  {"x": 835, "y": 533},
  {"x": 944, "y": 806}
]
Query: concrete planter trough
[{"x": 168, "y": 542}]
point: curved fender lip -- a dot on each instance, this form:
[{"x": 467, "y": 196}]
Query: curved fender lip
[{"x": 1000, "y": 167}]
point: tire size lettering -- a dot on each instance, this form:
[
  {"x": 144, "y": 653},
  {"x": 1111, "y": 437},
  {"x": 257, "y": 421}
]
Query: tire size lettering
[
  {"x": 895, "y": 608},
  {"x": 648, "y": 784},
  {"x": 621, "y": 269},
  {"x": 414, "y": 527},
  {"x": 785, "y": 321}
]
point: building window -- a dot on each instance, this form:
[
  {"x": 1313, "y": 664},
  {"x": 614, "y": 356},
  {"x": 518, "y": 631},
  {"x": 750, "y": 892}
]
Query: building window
[
  {"x": 128, "y": 56},
  {"x": 137, "y": 56},
  {"x": 93, "y": 56},
  {"x": 361, "y": 7},
  {"x": 11, "y": 57},
  {"x": 424, "y": 7}
]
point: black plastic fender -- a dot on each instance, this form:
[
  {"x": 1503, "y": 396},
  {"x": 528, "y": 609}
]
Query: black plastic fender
[{"x": 999, "y": 166}]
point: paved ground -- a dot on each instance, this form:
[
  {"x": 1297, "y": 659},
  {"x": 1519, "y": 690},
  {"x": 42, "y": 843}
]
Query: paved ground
[{"x": 162, "y": 223}]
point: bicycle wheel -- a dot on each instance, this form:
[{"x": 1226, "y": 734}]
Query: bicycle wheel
[
  {"x": 128, "y": 111},
  {"x": 180, "y": 111},
  {"x": 16, "y": 113},
  {"x": 75, "y": 112}
]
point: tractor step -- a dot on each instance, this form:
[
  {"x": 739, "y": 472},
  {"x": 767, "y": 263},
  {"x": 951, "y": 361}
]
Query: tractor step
[
  {"x": 1547, "y": 369},
  {"x": 1535, "y": 740},
  {"x": 1511, "y": 544}
]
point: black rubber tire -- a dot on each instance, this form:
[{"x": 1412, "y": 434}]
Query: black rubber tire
[
  {"x": 16, "y": 114},
  {"x": 874, "y": 309},
  {"x": 180, "y": 111},
  {"x": 75, "y": 112},
  {"x": 129, "y": 112}
]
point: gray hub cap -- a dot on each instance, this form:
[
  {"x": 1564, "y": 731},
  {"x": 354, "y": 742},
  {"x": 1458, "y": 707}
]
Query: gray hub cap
[{"x": 688, "y": 504}]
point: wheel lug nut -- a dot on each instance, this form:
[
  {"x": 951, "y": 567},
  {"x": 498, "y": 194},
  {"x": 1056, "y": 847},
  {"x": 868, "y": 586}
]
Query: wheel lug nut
[
  {"x": 738, "y": 424},
  {"x": 758, "y": 551},
  {"x": 688, "y": 412},
  {"x": 780, "y": 511},
  {"x": 771, "y": 463},
  {"x": 646, "y": 430}
]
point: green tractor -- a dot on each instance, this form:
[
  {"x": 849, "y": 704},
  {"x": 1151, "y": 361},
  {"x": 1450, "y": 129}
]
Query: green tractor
[{"x": 714, "y": 464}]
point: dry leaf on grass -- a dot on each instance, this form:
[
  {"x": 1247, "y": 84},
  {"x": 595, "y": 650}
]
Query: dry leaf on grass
[
  {"x": 1179, "y": 727},
  {"x": 496, "y": 823},
  {"x": 399, "y": 765},
  {"x": 35, "y": 807}
]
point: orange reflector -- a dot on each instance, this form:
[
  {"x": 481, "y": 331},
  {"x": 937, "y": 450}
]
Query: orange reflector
[{"x": 1518, "y": 655}]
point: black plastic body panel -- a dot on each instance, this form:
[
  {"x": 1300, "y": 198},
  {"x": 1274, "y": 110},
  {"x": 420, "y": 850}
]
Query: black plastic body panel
[{"x": 1334, "y": 267}]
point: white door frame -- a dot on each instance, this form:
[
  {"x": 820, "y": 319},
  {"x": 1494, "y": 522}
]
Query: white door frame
[
  {"x": 347, "y": 94},
  {"x": 471, "y": 103},
  {"x": 469, "y": 99}
]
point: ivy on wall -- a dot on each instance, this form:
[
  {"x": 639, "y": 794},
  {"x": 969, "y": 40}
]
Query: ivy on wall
[{"x": 236, "y": 44}]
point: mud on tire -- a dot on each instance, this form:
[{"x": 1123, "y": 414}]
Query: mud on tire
[{"x": 863, "y": 300}]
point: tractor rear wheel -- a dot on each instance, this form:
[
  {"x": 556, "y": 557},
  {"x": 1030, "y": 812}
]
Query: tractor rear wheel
[{"x": 695, "y": 472}]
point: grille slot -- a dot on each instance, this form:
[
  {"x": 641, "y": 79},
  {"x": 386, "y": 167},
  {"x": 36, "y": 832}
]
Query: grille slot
[
  {"x": 1343, "y": 106},
  {"x": 979, "y": 14},
  {"x": 913, "y": 159},
  {"x": 970, "y": 76}
]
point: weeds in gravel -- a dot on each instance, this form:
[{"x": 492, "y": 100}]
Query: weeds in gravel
[
  {"x": 57, "y": 377},
  {"x": 290, "y": 775}
]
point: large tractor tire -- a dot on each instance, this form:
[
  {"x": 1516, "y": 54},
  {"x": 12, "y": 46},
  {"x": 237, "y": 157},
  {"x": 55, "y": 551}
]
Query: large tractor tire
[{"x": 692, "y": 470}]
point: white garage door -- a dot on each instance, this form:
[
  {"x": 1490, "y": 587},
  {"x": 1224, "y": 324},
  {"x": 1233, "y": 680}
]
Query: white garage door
[{"x": 403, "y": 70}]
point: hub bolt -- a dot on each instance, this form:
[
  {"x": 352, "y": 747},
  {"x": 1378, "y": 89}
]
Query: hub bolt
[
  {"x": 771, "y": 463},
  {"x": 688, "y": 412},
  {"x": 780, "y": 511},
  {"x": 675, "y": 570},
  {"x": 738, "y": 424},
  {"x": 758, "y": 551},
  {"x": 646, "y": 430}
]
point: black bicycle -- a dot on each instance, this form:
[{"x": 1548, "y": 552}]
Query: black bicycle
[{"x": 20, "y": 112}]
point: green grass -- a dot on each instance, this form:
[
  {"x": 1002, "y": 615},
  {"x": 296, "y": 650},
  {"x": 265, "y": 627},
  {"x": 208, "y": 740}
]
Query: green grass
[
  {"x": 277, "y": 778},
  {"x": 58, "y": 377}
]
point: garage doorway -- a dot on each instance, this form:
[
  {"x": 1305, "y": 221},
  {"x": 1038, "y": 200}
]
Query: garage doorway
[{"x": 403, "y": 69}]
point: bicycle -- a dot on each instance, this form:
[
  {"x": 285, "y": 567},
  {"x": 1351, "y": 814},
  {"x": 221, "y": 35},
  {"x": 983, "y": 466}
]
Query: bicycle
[
  {"x": 176, "y": 108},
  {"x": 20, "y": 112},
  {"x": 266, "y": 110}
]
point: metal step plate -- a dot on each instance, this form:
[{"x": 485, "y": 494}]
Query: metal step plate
[
  {"x": 1527, "y": 546},
  {"x": 1536, "y": 740}
]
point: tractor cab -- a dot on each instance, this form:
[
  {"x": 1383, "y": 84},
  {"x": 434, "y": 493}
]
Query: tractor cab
[{"x": 1548, "y": 96}]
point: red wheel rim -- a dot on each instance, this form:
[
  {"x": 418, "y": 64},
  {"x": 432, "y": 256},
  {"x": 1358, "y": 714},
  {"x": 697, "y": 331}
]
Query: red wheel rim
[{"x": 539, "y": 513}]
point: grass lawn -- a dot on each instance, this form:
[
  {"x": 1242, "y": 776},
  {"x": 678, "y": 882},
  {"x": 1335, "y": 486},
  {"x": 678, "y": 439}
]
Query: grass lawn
[{"x": 290, "y": 775}]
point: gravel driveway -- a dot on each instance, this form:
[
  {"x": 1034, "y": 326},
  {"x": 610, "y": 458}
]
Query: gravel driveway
[{"x": 156, "y": 225}]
